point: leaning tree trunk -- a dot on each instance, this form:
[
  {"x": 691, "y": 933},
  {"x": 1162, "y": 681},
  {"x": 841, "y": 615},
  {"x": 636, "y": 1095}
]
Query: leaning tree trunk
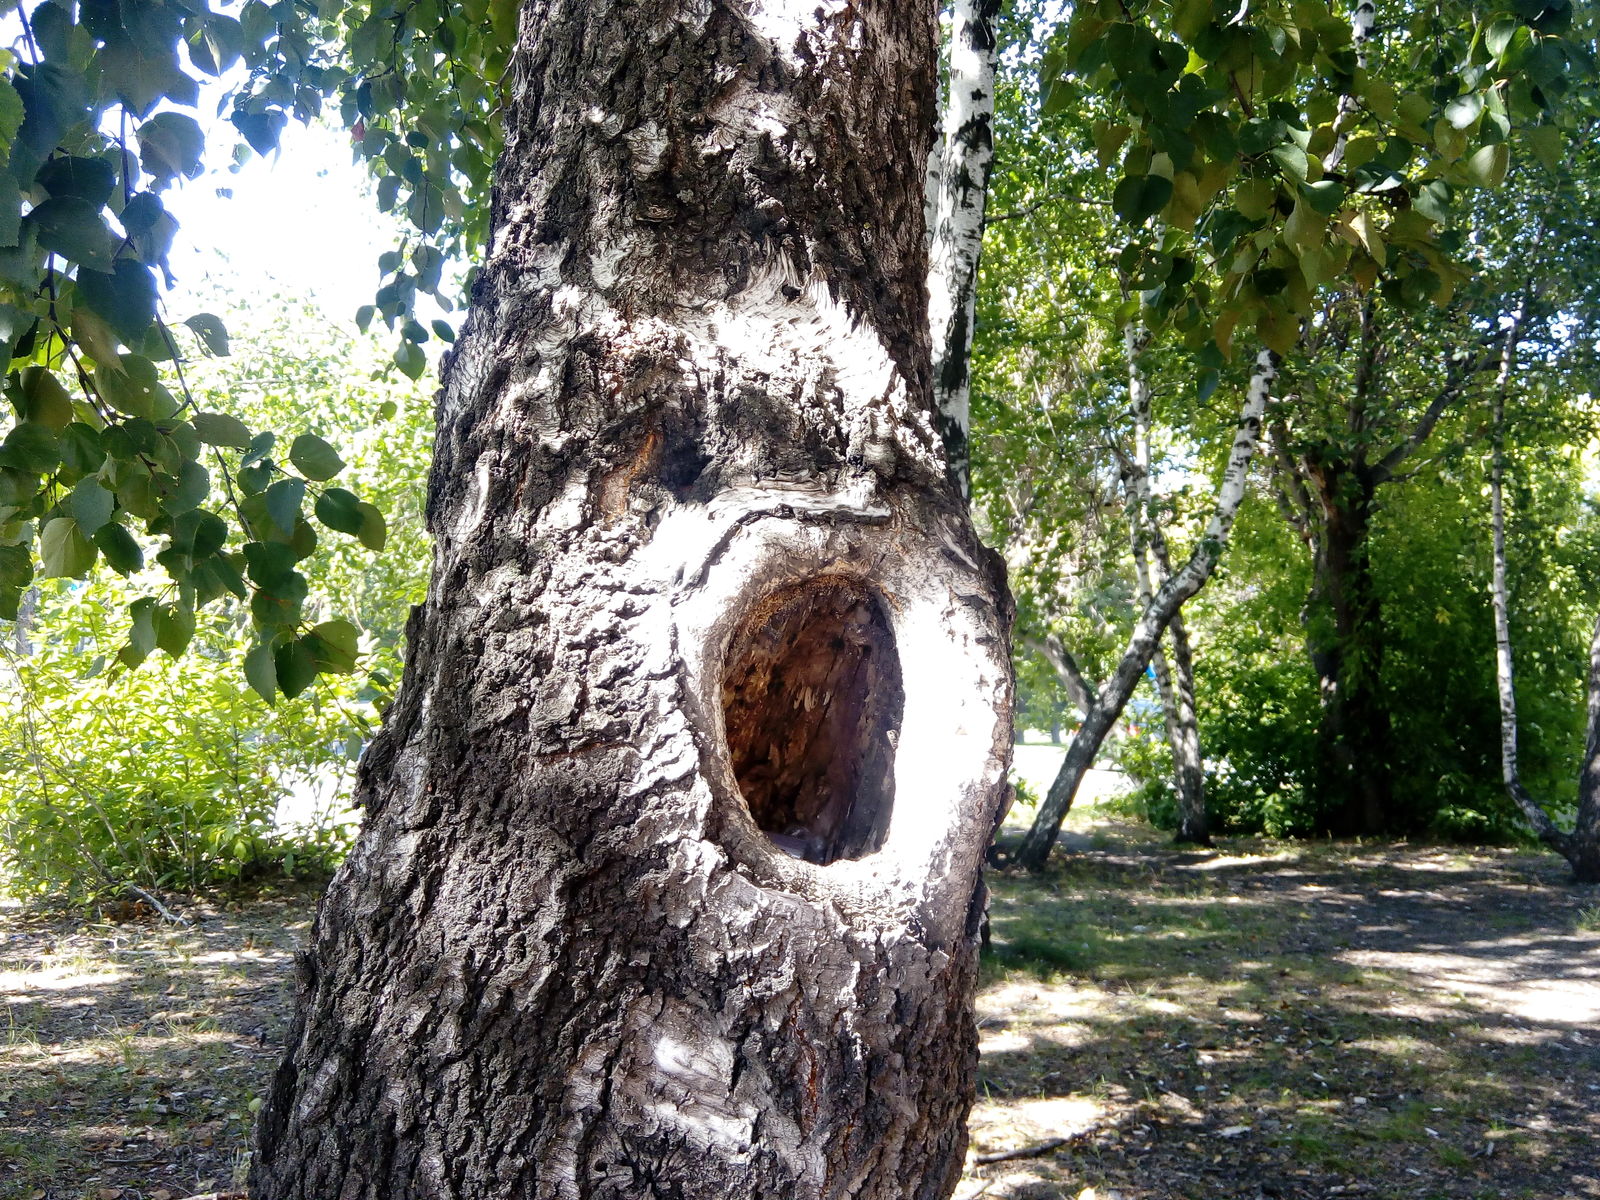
[
  {"x": 1174, "y": 680},
  {"x": 669, "y": 879},
  {"x": 1034, "y": 850},
  {"x": 1581, "y": 847}
]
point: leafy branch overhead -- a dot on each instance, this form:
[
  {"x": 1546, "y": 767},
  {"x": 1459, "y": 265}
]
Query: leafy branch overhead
[
  {"x": 1268, "y": 150},
  {"x": 103, "y": 453}
]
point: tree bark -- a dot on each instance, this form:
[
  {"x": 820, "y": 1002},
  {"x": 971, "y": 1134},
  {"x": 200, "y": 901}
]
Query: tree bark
[
  {"x": 958, "y": 192},
  {"x": 1581, "y": 847},
  {"x": 1344, "y": 635},
  {"x": 669, "y": 878},
  {"x": 1034, "y": 850},
  {"x": 1174, "y": 680}
]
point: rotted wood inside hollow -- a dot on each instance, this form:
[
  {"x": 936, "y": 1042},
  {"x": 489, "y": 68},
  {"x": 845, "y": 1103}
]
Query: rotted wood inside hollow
[{"x": 812, "y": 703}]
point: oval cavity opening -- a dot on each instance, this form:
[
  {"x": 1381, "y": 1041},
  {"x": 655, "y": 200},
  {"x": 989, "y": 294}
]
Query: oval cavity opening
[{"x": 812, "y": 703}]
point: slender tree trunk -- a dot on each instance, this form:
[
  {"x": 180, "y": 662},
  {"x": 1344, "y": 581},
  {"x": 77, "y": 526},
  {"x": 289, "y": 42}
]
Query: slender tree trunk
[
  {"x": 1174, "y": 686},
  {"x": 1183, "y": 734},
  {"x": 1584, "y": 843},
  {"x": 1581, "y": 847},
  {"x": 1345, "y": 643},
  {"x": 958, "y": 191},
  {"x": 669, "y": 878},
  {"x": 1035, "y": 848}
]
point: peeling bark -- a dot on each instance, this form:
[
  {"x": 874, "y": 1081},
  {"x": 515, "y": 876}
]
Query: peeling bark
[
  {"x": 1034, "y": 850},
  {"x": 621, "y": 921},
  {"x": 958, "y": 192}
]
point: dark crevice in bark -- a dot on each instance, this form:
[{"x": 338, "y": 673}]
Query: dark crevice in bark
[{"x": 812, "y": 704}]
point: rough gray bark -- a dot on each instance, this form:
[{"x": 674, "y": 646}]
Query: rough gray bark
[
  {"x": 1034, "y": 850},
  {"x": 668, "y": 883},
  {"x": 1581, "y": 847},
  {"x": 958, "y": 192}
]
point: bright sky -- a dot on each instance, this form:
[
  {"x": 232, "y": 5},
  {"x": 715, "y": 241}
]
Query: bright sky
[{"x": 303, "y": 222}]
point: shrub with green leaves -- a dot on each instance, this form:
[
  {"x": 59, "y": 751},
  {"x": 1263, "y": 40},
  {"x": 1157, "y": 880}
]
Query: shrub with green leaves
[{"x": 138, "y": 754}]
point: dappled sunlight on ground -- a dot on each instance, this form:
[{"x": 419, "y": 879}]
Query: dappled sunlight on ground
[
  {"x": 1306, "y": 1021},
  {"x": 1297, "y": 1021},
  {"x": 130, "y": 1052}
]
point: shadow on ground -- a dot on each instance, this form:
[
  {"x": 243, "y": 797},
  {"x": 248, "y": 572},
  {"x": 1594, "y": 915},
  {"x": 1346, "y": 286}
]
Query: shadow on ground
[
  {"x": 130, "y": 1052},
  {"x": 1289, "y": 1020},
  {"x": 1262, "y": 1020}
]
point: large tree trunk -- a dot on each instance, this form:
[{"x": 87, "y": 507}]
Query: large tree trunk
[
  {"x": 669, "y": 879},
  {"x": 1344, "y": 634}
]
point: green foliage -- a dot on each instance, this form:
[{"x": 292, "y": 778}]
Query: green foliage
[
  {"x": 1262, "y": 153},
  {"x": 105, "y": 452},
  {"x": 168, "y": 776}
]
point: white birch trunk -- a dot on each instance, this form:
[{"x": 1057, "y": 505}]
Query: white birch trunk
[
  {"x": 958, "y": 189},
  {"x": 1035, "y": 848},
  {"x": 1581, "y": 847}
]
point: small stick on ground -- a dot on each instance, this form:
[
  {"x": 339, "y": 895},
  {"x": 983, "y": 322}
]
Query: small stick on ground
[{"x": 1036, "y": 1151}]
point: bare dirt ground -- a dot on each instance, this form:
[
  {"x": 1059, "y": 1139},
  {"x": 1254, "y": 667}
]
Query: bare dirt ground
[{"x": 1264, "y": 1020}]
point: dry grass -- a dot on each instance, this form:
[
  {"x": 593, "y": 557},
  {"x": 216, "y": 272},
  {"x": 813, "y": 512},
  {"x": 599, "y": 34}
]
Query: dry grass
[{"x": 1265, "y": 1020}]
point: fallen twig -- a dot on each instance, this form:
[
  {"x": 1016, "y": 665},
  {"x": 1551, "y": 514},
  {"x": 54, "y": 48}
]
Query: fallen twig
[{"x": 1036, "y": 1151}]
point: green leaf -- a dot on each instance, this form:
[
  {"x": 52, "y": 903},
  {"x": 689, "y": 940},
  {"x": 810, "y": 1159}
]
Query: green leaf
[
  {"x": 90, "y": 505},
  {"x": 1291, "y": 160},
  {"x": 16, "y": 567},
  {"x": 221, "y": 429},
  {"x": 131, "y": 384},
  {"x": 1254, "y": 198},
  {"x": 141, "y": 634},
  {"x": 45, "y": 399},
  {"x": 1464, "y": 110},
  {"x": 89, "y": 179},
  {"x": 283, "y": 504},
  {"x": 72, "y": 228},
  {"x": 260, "y": 446},
  {"x": 151, "y": 227},
  {"x": 411, "y": 360},
  {"x": 333, "y": 646},
  {"x": 171, "y": 146},
  {"x": 121, "y": 550},
  {"x": 295, "y": 667},
  {"x": 314, "y": 458},
  {"x": 1137, "y": 198},
  {"x": 340, "y": 510},
  {"x": 64, "y": 551},
  {"x": 1547, "y": 144},
  {"x": 1325, "y": 196},
  {"x": 211, "y": 331},
  {"x": 260, "y": 672},
  {"x": 374, "y": 532},
  {"x": 174, "y": 628},
  {"x": 30, "y": 447},
  {"x": 1433, "y": 201},
  {"x": 125, "y": 297},
  {"x": 1486, "y": 166},
  {"x": 261, "y": 129}
]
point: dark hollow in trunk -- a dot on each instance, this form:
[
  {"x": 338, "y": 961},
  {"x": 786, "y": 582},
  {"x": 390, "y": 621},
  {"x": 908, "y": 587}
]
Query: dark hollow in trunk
[{"x": 811, "y": 703}]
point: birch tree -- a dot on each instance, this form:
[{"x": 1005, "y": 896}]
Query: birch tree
[{"x": 669, "y": 877}]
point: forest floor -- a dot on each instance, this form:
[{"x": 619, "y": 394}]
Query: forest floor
[{"x": 1295, "y": 1020}]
